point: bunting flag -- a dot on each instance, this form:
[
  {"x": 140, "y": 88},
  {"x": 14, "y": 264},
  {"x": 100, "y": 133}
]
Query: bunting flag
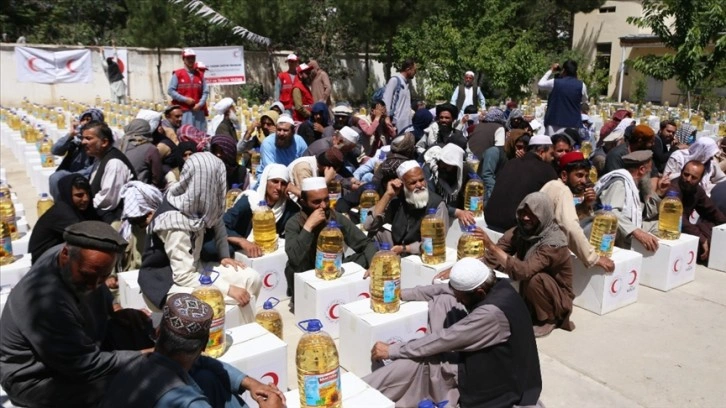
[
  {"x": 47, "y": 67},
  {"x": 199, "y": 8}
]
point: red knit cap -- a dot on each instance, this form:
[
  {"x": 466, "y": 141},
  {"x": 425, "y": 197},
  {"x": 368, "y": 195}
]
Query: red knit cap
[{"x": 570, "y": 157}]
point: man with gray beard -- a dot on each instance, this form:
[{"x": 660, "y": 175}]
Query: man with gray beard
[{"x": 403, "y": 206}]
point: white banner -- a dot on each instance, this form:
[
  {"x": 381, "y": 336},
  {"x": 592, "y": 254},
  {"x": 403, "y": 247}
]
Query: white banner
[
  {"x": 45, "y": 67},
  {"x": 122, "y": 59},
  {"x": 226, "y": 64}
]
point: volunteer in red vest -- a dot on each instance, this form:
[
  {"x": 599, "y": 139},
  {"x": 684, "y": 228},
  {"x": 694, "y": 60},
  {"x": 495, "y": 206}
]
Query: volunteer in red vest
[
  {"x": 302, "y": 97},
  {"x": 284, "y": 80},
  {"x": 189, "y": 90}
]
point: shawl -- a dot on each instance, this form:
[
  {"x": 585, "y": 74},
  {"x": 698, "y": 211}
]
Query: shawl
[
  {"x": 271, "y": 171},
  {"x": 450, "y": 154},
  {"x": 686, "y": 133},
  {"x": 548, "y": 232},
  {"x": 631, "y": 207},
  {"x": 139, "y": 199}
]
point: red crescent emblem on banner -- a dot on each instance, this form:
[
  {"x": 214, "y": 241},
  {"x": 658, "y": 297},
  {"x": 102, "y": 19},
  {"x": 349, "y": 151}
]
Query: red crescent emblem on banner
[
  {"x": 30, "y": 64},
  {"x": 274, "y": 377},
  {"x": 121, "y": 65},
  {"x": 69, "y": 67},
  {"x": 235, "y": 53}
]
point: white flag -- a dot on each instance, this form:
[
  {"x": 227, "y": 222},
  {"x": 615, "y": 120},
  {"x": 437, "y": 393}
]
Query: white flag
[
  {"x": 46, "y": 67},
  {"x": 73, "y": 66}
]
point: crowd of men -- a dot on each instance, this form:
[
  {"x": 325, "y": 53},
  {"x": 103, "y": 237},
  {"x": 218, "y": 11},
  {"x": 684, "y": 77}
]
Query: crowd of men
[{"x": 154, "y": 200}]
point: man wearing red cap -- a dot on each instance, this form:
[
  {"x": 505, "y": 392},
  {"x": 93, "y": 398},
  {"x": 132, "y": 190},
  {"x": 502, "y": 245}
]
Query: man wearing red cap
[
  {"x": 189, "y": 90},
  {"x": 302, "y": 97},
  {"x": 284, "y": 80},
  {"x": 569, "y": 194}
]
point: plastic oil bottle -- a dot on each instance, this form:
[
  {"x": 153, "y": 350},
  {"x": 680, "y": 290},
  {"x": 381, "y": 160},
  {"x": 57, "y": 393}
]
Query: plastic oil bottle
[
  {"x": 474, "y": 195},
  {"x": 670, "y": 216},
  {"x": 318, "y": 367},
  {"x": 269, "y": 318},
  {"x": 586, "y": 149},
  {"x": 6, "y": 244},
  {"x": 385, "y": 280},
  {"x": 469, "y": 246},
  {"x": 368, "y": 199},
  {"x": 334, "y": 192},
  {"x": 231, "y": 196},
  {"x": 329, "y": 255},
  {"x": 211, "y": 295},
  {"x": 433, "y": 239},
  {"x": 46, "y": 157},
  {"x": 592, "y": 175},
  {"x": 604, "y": 230},
  {"x": 7, "y": 215},
  {"x": 264, "y": 228},
  {"x": 254, "y": 160},
  {"x": 44, "y": 204},
  {"x": 4, "y": 188}
]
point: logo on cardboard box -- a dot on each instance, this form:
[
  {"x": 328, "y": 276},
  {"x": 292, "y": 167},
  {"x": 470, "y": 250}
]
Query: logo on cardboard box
[
  {"x": 275, "y": 379},
  {"x": 333, "y": 315},
  {"x": 633, "y": 280},
  {"x": 364, "y": 295},
  {"x": 270, "y": 280}
]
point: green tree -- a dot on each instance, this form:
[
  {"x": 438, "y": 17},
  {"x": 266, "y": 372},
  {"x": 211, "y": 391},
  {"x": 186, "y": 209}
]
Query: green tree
[{"x": 695, "y": 37}]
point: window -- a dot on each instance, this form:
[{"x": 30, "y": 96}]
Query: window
[
  {"x": 602, "y": 59},
  {"x": 604, "y": 10}
]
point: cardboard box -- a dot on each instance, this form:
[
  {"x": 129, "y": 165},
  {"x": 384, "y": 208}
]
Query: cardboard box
[
  {"x": 672, "y": 265},
  {"x": 416, "y": 273},
  {"x": 493, "y": 235},
  {"x": 320, "y": 299},
  {"x": 11, "y": 274},
  {"x": 259, "y": 354},
  {"x": 19, "y": 211},
  {"x": 271, "y": 268},
  {"x": 356, "y": 394},
  {"x": 602, "y": 293},
  {"x": 23, "y": 227},
  {"x": 717, "y": 257},
  {"x": 20, "y": 245},
  {"x": 361, "y": 328},
  {"x": 4, "y": 293},
  {"x": 456, "y": 230}
]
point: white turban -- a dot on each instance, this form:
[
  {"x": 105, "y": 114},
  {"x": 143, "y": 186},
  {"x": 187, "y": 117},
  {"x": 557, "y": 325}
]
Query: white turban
[
  {"x": 314, "y": 183},
  {"x": 468, "y": 274},
  {"x": 405, "y": 167},
  {"x": 349, "y": 134},
  {"x": 469, "y": 73},
  {"x": 540, "y": 140},
  {"x": 285, "y": 119},
  {"x": 223, "y": 105},
  {"x": 153, "y": 117}
]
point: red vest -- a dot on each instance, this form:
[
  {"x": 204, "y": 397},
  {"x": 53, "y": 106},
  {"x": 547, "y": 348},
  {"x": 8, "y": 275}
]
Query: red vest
[
  {"x": 307, "y": 99},
  {"x": 285, "y": 89},
  {"x": 189, "y": 87}
]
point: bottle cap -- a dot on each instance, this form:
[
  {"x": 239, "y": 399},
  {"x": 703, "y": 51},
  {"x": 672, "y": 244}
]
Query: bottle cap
[
  {"x": 607, "y": 207},
  {"x": 385, "y": 246},
  {"x": 205, "y": 279},
  {"x": 431, "y": 211},
  {"x": 672, "y": 193},
  {"x": 262, "y": 203},
  {"x": 332, "y": 224},
  {"x": 2, "y": 194},
  {"x": 43, "y": 195},
  {"x": 470, "y": 228},
  {"x": 313, "y": 325},
  {"x": 235, "y": 186},
  {"x": 426, "y": 404},
  {"x": 370, "y": 186},
  {"x": 270, "y": 303}
]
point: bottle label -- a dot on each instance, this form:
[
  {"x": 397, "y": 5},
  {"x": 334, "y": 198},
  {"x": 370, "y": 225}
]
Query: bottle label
[
  {"x": 6, "y": 246},
  {"x": 364, "y": 211},
  {"x": 216, "y": 333},
  {"x": 680, "y": 224},
  {"x": 47, "y": 160},
  {"x": 324, "y": 260},
  {"x": 391, "y": 290},
  {"x": 322, "y": 390},
  {"x": 606, "y": 244},
  {"x": 427, "y": 246},
  {"x": 577, "y": 200},
  {"x": 475, "y": 203}
]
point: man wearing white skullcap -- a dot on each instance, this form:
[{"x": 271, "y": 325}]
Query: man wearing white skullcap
[
  {"x": 345, "y": 139},
  {"x": 303, "y": 229},
  {"x": 403, "y": 205},
  {"x": 281, "y": 147},
  {"x": 225, "y": 121},
  {"x": 467, "y": 94},
  {"x": 487, "y": 357}
]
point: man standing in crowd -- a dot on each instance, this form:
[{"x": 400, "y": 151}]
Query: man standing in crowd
[
  {"x": 302, "y": 97},
  {"x": 320, "y": 85},
  {"x": 467, "y": 94},
  {"x": 442, "y": 132},
  {"x": 114, "y": 74},
  {"x": 284, "y": 81},
  {"x": 189, "y": 90},
  {"x": 397, "y": 96},
  {"x": 567, "y": 93},
  {"x": 55, "y": 343}
]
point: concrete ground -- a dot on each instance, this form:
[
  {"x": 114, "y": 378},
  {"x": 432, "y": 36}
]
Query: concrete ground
[{"x": 666, "y": 350}]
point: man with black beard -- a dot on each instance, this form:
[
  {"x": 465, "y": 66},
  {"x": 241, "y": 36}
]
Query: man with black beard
[
  {"x": 281, "y": 147},
  {"x": 403, "y": 206},
  {"x": 694, "y": 198},
  {"x": 441, "y": 132},
  {"x": 303, "y": 229}
]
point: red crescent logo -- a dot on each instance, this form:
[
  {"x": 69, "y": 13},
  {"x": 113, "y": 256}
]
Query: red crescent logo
[
  {"x": 634, "y": 273},
  {"x": 121, "y": 65},
  {"x": 274, "y": 377},
  {"x": 30, "y": 64},
  {"x": 421, "y": 330},
  {"x": 693, "y": 257},
  {"x": 364, "y": 295},
  {"x": 265, "y": 280},
  {"x": 614, "y": 287},
  {"x": 235, "y": 53},
  {"x": 69, "y": 67},
  {"x": 675, "y": 265},
  {"x": 332, "y": 311}
]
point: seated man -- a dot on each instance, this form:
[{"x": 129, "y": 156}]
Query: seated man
[
  {"x": 694, "y": 198},
  {"x": 60, "y": 340},
  {"x": 442, "y": 132},
  {"x": 620, "y": 189},
  {"x": 535, "y": 253},
  {"x": 345, "y": 139},
  {"x": 445, "y": 174},
  {"x": 176, "y": 374},
  {"x": 281, "y": 147},
  {"x": 303, "y": 229},
  {"x": 403, "y": 206},
  {"x": 325, "y": 164},
  {"x": 570, "y": 192},
  {"x": 496, "y": 361}
]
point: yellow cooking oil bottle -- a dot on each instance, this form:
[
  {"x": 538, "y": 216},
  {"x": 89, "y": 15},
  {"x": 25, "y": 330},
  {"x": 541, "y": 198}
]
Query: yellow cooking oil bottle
[
  {"x": 231, "y": 196},
  {"x": 329, "y": 255},
  {"x": 469, "y": 246},
  {"x": 211, "y": 295},
  {"x": 44, "y": 204},
  {"x": 474, "y": 195},
  {"x": 6, "y": 245},
  {"x": 264, "y": 228},
  {"x": 385, "y": 286},
  {"x": 46, "y": 157},
  {"x": 7, "y": 215},
  {"x": 670, "y": 216},
  {"x": 334, "y": 192},
  {"x": 269, "y": 318},
  {"x": 433, "y": 239},
  {"x": 368, "y": 199},
  {"x": 318, "y": 367},
  {"x": 604, "y": 230}
]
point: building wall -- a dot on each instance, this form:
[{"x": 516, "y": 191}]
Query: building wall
[{"x": 143, "y": 79}]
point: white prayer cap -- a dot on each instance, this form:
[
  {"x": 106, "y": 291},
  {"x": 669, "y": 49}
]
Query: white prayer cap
[
  {"x": 405, "y": 167},
  {"x": 291, "y": 57},
  {"x": 499, "y": 136},
  {"x": 468, "y": 274},
  {"x": 285, "y": 119},
  {"x": 277, "y": 171},
  {"x": 188, "y": 52},
  {"x": 349, "y": 134},
  {"x": 201, "y": 66},
  {"x": 452, "y": 155},
  {"x": 223, "y": 105},
  {"x": 314, "y": 183},
  {"x": 539, "y": 140},
  {"x": 153, "y": 117},
  {"x": 469, "y": 73},
  {"x": 615, "y": 135},
  {"x": 279, "y": 106},
  {"x": 342, "y": 108}
]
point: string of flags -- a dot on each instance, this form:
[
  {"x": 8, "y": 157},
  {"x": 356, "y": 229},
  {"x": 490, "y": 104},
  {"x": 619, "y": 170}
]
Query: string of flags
[{"x": 199, "y": 8}]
